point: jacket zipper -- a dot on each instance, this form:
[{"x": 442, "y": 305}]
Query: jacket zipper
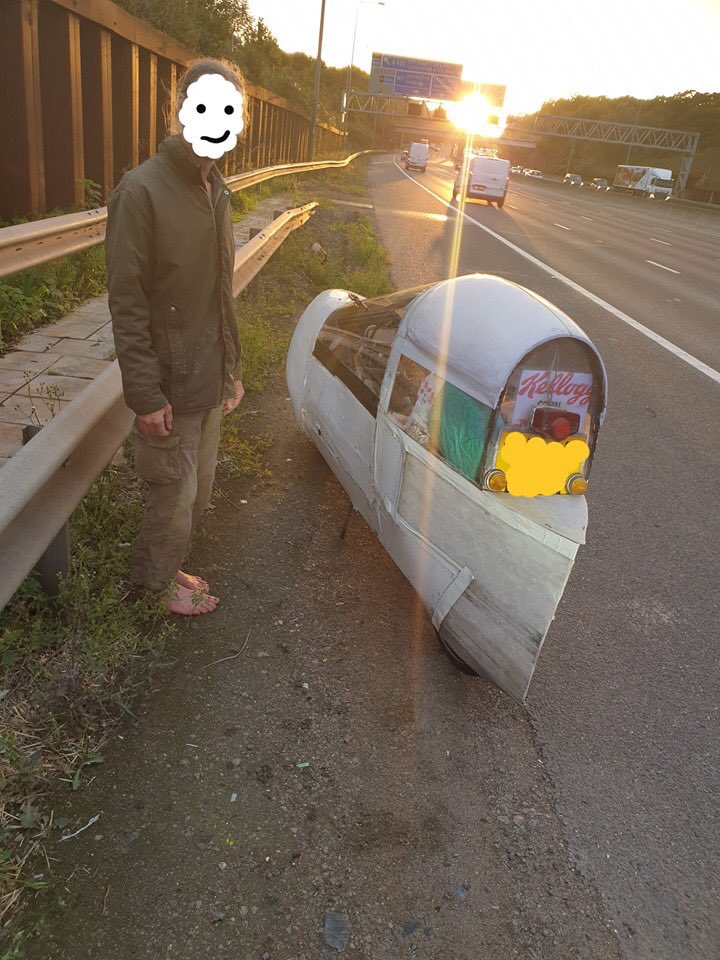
[{"x": 218, "y": 253}]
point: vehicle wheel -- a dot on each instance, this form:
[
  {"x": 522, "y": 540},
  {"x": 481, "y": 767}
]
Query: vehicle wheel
[
  {"x": 456, "y": 661},
  {"x": 500, "y": 202}
]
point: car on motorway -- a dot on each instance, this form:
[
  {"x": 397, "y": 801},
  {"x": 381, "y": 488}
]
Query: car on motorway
[
  {"x": 599, "y": 183},
  {"x": 461, "y": 418},
  {"x": 573, "y": 180},
  {"x": 483, "y": 178},
  {"x": 517, "y": 170},
  {"x": 532, "y": 173}
]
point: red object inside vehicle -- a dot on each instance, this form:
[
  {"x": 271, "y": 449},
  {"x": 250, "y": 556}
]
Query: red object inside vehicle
[{"x": 555, "y": 424}]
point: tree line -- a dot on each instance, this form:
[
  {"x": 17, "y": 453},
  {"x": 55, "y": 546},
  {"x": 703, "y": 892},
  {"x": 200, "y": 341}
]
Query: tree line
[{"x": 226, "y": 29}]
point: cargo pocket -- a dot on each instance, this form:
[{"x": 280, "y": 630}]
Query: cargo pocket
[{"x": 157, "y": 459}]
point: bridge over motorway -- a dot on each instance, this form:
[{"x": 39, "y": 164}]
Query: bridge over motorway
[{"x": 417, "y": 118}]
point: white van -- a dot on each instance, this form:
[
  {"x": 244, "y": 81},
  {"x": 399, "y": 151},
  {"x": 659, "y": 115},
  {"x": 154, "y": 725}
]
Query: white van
[
  {"x": 487, "y": 179},
  {"x": 417, "y": 157}
]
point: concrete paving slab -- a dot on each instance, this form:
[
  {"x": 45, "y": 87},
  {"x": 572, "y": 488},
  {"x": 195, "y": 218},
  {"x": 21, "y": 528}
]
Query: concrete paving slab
[
  {"x": 92, "y": 309},
  {"x": 12, "y": 380},
  {"x": 49, "y": 387},
  {"x": 37, "y": 342},
  {"x": 84, "y": 367},
  {"x": 24, "y": 409},
  {"x": 10, "y": 438},
  {"x": 97, "y": 349},
  {"x": 26, "y": 360},
  {"x": 77, "y": 329},
  {"x": 104, "y": 334}
]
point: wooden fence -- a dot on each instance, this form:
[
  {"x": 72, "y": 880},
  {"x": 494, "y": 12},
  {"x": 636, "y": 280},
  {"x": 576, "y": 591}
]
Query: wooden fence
[{"x": 85, "y": 90}]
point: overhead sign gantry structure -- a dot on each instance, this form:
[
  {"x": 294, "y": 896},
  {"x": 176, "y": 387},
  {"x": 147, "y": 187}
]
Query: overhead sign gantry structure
[
  {"x": 605, "y": 131},
  {"x": 410, "y": 115}
]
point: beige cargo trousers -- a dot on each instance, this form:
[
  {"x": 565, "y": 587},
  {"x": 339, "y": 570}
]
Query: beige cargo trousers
[{"x": 179, "y": 471}]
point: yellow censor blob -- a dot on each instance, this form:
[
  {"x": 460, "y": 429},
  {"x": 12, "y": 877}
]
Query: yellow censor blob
[{"x": 534, "y": 467}]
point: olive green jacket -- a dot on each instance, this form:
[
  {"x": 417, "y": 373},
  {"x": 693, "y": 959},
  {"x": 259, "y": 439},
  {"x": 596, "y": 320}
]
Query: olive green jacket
[{"x": 170, "y": 255}]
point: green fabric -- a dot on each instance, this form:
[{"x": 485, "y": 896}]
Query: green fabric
[
  {"x": 458, "y": 428},
  {"x": 170, "y": 256}
]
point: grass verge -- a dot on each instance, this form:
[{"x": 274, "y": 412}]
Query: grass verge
[
  {"x": 70, "y": 668},
  {"x": 46, "y": 293}
]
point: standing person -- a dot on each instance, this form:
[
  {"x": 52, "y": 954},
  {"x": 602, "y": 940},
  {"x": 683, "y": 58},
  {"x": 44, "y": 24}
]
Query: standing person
[{"x": 170, "y": 255}]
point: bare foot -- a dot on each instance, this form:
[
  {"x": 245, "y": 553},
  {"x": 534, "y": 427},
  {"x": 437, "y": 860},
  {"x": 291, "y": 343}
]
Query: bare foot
[
  {"x": 191, "y": 582},
  {"x": 188, "y": 603}
]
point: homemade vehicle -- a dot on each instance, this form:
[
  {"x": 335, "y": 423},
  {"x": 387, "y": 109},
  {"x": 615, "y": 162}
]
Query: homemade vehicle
[
  {"x": 483, "y": 178},
  {"x": 461, "y": 418}
]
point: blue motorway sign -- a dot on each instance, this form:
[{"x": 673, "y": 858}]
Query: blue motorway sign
[{"x": 396, "y": 76}]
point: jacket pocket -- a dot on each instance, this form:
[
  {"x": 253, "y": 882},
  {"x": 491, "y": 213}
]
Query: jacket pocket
[{"x": 157, "y": 459}]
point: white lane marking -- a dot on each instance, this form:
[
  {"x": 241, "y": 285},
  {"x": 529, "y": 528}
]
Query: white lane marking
[
  {"x": 587, "y": 218},
  {"x": 664, "y": 242},
  {"x": 561, "y": 226},
  {"x": 352, "y": 203},
  {"x": 439, "y": 217},
  {"x": 662, "y": 266},
  {"x": 641, "y": 328},
  {"x": 512, "y": 206}
]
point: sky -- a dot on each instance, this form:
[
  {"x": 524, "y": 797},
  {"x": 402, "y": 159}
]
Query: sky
[{"x": 541, "y": 50}]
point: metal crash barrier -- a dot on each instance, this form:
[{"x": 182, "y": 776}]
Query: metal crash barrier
[
  {"x": 43, "y": 483},
  {"x": 30, "y": 244}
]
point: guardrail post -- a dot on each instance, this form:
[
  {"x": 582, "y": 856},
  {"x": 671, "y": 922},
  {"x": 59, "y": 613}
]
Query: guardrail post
[{"x": 54, "y": 564}]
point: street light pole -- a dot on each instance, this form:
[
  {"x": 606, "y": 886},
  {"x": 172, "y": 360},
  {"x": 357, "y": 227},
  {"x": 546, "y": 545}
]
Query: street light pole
[
  {"x": 348, "y": 77},
  {"x": 316, "y": 87}
]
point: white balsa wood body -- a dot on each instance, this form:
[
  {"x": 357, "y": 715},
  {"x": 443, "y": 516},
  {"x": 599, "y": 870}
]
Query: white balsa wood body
[{"x": 489, "y": 568}]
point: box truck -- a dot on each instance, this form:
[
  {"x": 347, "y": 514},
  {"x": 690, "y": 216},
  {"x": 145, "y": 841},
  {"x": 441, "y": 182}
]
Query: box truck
[{"x": 644, "y": 181}]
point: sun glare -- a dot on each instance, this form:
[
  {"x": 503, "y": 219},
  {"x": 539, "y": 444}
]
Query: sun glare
[{"x": 474, "y": 115}]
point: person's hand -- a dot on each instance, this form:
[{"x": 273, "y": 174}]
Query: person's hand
[
  {"x": 158, "y": 424},
  {"x": 229, "y": 405}
]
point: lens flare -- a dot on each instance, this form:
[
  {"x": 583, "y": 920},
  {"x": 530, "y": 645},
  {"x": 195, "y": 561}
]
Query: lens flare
[{"x": 476, "y": 116}]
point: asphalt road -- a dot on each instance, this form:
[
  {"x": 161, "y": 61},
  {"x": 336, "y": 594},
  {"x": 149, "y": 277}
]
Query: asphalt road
[{"x": 625, "y": 698}]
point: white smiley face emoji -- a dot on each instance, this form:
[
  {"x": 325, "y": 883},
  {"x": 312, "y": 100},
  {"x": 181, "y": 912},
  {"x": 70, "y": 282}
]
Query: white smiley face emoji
[{"x": 212, "y": 115}]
